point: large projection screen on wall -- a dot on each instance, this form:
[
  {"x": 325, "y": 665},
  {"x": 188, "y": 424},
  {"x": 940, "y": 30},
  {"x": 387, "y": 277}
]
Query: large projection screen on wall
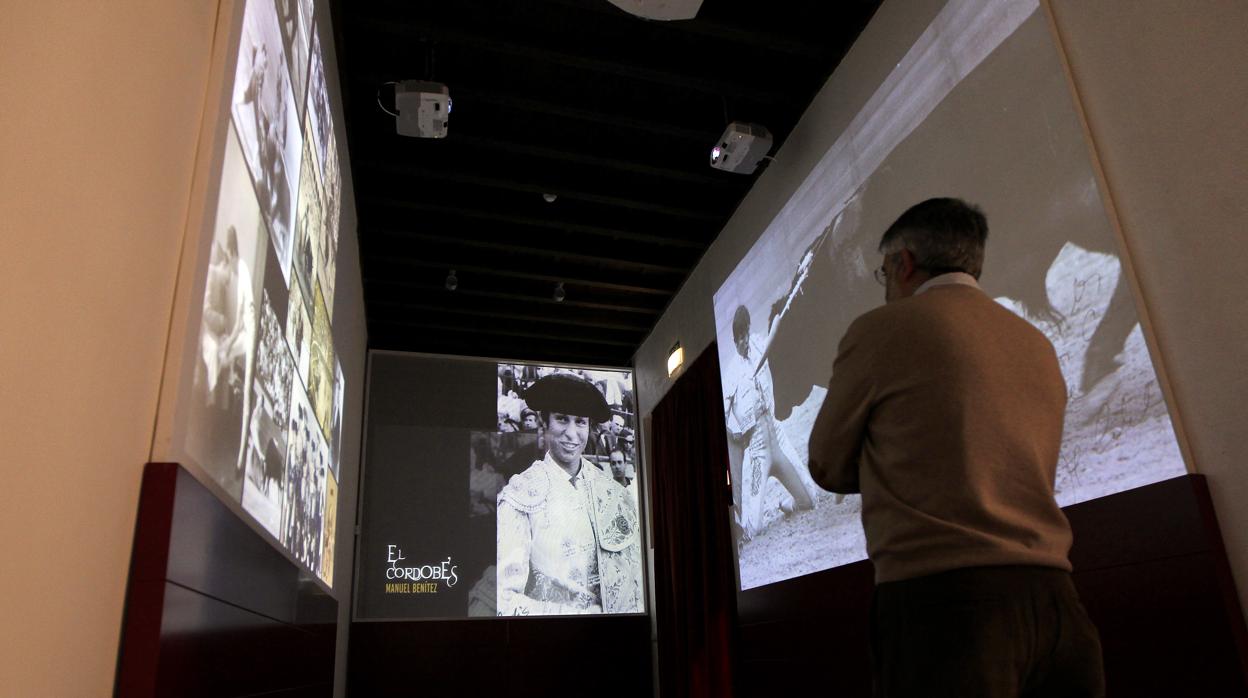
[
  {"x": 252, "y": 402},
  {"x": 978, "y": 109},
  {"x": 465, "y": 510}
]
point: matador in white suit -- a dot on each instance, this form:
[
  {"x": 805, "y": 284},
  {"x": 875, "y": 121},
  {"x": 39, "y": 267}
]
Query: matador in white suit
[{"x": 568, "y": 539}]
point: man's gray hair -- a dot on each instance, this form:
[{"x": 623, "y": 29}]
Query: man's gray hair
[{"x": 944, "y": 235}]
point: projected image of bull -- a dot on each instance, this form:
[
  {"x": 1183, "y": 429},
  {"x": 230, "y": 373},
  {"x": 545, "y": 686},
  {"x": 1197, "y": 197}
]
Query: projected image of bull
[{"x": 978, "y": 109}]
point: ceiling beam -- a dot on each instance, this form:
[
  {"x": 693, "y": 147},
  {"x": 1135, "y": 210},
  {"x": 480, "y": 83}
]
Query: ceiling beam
[
  {"x": 753, "y": 37},
  {"x": 430, "y": 31},
  {"x": 390, "y": 288},
  {"x": 596, "y": 230},
  {"x": 390, "y": 308},
  {"x": 369, "y": 81},
  {"x": 440, "y": 175},
  {"x": 581, "y": 158},
  {"x": 473, "y": 241},
  {"x": 518, "y": 274},
  {"x": 484, "y": 330},
  {"x": 391, "y": 338},
  {"x": 539, "y": 106}
]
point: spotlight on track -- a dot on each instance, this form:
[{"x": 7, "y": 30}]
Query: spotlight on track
[{"x": 452, "y": 282}]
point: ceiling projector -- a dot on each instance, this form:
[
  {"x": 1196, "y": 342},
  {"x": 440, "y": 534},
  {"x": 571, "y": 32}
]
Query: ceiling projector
[
  {"x": 423, "y": 108},
  {"x": 741, "y": 147},
  {"x": 660, "y": 9}
]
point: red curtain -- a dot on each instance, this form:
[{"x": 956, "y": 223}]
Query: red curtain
[{"x": 695, "y": 585}]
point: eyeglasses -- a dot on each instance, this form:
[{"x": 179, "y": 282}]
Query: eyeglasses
[{"x": 881, "y": 275}]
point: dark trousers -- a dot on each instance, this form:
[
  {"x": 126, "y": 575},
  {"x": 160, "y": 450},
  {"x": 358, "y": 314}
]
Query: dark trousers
[{"x": 984, "y": 632}]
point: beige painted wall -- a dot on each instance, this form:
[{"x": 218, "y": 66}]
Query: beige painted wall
[
  {"x": 1165, "y": 92},
  {"x": 99, "y": 119}
]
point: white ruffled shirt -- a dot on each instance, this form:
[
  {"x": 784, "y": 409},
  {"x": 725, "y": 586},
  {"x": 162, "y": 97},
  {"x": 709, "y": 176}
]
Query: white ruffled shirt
[{"x": 556, "y": 542}]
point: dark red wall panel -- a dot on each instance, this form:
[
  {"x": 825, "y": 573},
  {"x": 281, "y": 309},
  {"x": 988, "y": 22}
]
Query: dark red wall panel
[
  {"x": 1151, "y": 570},
  {"x": 212, "y": 609}
]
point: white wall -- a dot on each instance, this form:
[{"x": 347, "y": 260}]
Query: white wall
[
  {"x": 1163, "y": 89},
  {"x": 101, "y": 111}
]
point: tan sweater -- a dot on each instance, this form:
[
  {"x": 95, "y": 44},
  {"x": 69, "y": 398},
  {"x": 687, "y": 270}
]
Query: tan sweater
[{"x": 945, "y": 411}]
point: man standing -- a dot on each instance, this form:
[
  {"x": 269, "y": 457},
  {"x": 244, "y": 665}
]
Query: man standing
[
  {"x": 945, "y": 411},
  {"x": 609, "y": 439}
]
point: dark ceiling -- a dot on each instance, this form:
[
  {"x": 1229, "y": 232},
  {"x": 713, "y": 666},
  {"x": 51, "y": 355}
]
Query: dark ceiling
[{"x": 613, "y": 114}]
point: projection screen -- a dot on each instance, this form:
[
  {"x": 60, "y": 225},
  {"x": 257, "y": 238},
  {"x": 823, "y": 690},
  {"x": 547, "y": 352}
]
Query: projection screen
[
  {"x": 978, "y": 109},
  {"x": 256, "y": 403},
  {"x": 466, "y": 510}
]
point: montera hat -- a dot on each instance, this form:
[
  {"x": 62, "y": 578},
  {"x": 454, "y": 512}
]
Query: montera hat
[{"x": 569, "y": 394}]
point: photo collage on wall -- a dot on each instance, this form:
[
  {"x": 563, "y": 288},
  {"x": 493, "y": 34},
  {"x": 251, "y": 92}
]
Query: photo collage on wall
[{"x": 265, "y": 414}]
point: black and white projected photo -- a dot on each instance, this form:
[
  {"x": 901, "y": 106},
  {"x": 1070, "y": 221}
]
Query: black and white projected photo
[
  {"x": 221, "y": 396},
  {"x": 331, "y": 210},
  {"x": 261, "y": 409},
  {"x": 321, "y": 370},
  {"x": 267, "y": 121},
  {"x": 309, "y": 228},
  {"x": 299, "y": 333},
  {"x": 498, "y": 489},
  {"x": 306, "y": 468},
  {"x": 265, "y": 484},
  {"x": 567, "y": 523},
  {"x": 978, "y": 109},
  {"x": 294, "y": 17},
  {"x": 321, "y": 126},
  {"x": 494, "y": 458},
  {"x": 330, "y": 529},
  {"x": 335, "y": 431}
]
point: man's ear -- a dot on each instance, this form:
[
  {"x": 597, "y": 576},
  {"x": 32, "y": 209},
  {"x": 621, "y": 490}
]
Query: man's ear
[{"x": 906, "y": 266}]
